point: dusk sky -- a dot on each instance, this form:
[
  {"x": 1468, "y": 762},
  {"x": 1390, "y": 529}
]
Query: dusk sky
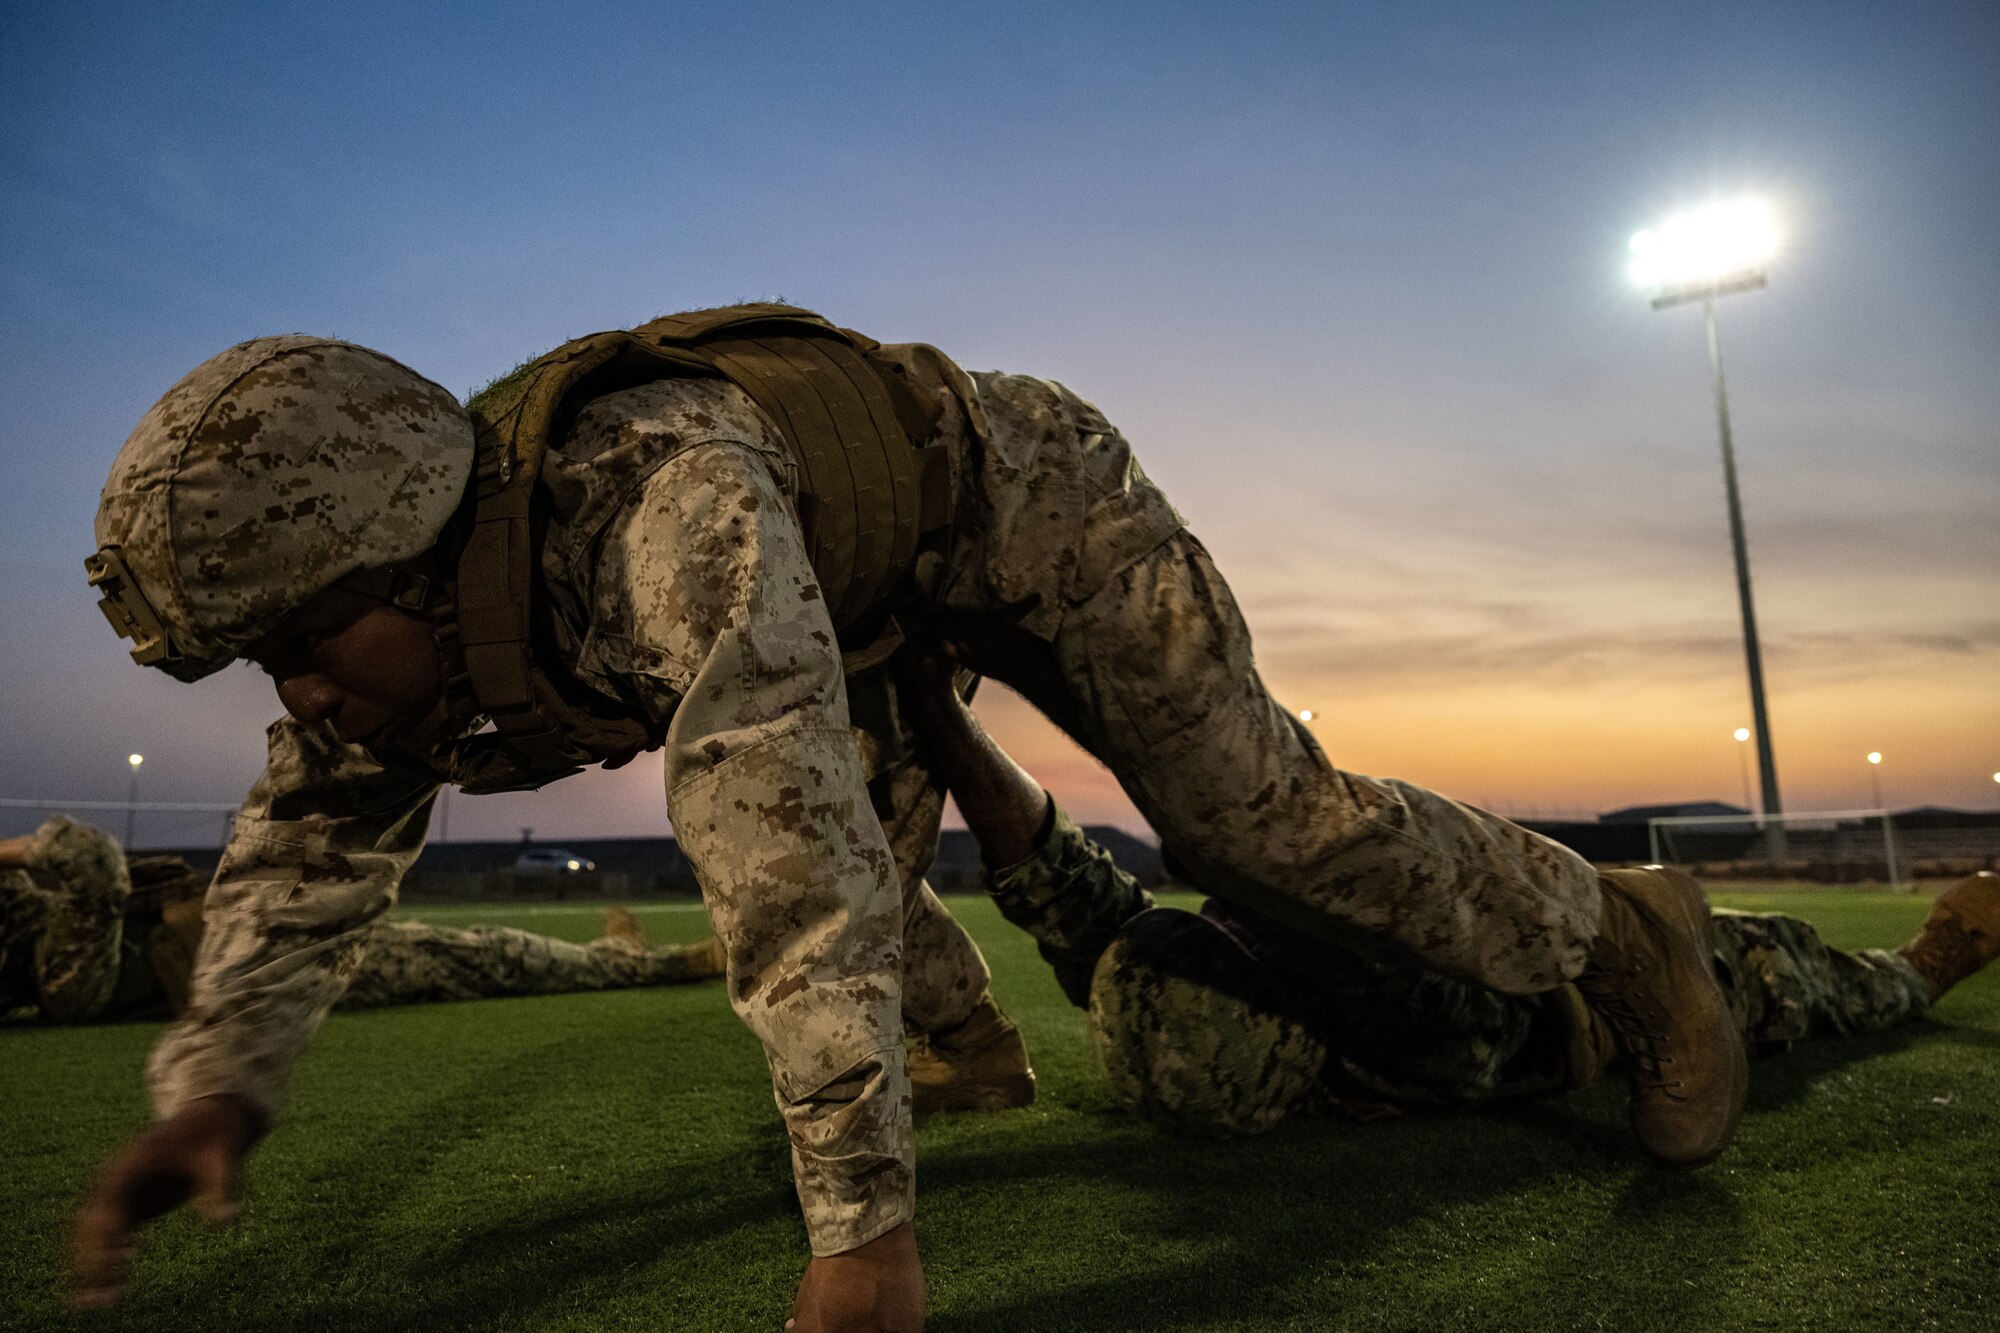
[{"x": 1351, "y": 278}]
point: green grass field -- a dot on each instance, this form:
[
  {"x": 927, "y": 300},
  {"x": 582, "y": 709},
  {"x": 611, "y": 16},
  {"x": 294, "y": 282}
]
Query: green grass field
[{"x": 613, "y": 1161}]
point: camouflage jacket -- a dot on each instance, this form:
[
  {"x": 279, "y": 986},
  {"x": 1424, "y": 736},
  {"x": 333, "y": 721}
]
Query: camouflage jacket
[{"x": 675, "y": 566}]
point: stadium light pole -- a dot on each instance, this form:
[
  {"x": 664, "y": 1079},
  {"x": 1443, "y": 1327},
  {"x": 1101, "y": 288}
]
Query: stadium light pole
[
  {"x": 1875, "y": 777},
  {"x": 1702, "y": 255},
  {"x": 132, "y": 797}
]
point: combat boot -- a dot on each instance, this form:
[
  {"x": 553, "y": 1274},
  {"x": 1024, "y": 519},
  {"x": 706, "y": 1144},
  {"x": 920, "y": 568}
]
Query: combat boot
[
  {"x": 1961, "y": 935},
  {"x": 711, "y": 959},
  {"x": 1651, "y": 977},
  {"x": 980, "y": 1065},
  {"x": 621, "y": 927}
]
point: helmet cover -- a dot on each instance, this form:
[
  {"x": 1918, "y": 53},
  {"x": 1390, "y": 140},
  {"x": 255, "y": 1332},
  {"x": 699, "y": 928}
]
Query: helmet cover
[{"x": 266, "y": 475}]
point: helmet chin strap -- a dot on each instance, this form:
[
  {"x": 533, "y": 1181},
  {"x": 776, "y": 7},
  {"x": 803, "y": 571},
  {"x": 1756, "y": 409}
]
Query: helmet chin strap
[{"x": 406, "y": 586}]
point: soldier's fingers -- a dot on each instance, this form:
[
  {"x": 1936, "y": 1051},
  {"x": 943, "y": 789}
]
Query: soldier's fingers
[
  {"x": 100, "y": 1253},
  {"x": 218, "y": 1189}
]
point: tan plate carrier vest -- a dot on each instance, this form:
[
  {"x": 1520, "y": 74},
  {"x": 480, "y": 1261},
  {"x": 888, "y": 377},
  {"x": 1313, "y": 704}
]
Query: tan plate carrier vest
[{"x": 871, "y": 484}]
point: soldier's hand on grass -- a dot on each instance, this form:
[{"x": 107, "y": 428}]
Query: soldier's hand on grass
[
  {"x": 197, "y": 1153},
  {"x": 878, "y": 1288}
]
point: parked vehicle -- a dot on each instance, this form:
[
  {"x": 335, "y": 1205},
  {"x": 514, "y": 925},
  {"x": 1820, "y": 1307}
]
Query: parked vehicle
[{"x": 551, "y": 861}]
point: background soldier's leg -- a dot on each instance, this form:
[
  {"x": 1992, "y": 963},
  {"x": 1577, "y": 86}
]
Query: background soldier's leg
[
  {"x": 408, "y": 962},
  {"x": 1785, "y": 984},
  {"x": 80, "y": 873}
]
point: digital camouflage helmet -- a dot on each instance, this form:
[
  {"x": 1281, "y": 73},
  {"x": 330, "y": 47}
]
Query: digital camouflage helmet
[{"x": 265, "y": 476}]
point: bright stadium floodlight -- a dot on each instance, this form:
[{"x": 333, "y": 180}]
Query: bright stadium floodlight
[
  {"x": 1700, "y": 255},
  {"x": 1875, "y": 777},
  {"x": 1706, "y": 252}
]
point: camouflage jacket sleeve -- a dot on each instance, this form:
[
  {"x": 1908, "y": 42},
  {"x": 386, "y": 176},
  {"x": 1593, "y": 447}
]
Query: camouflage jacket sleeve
[
  {"x": 705, "y": 604},
  {"x": 317, "y": 853}
]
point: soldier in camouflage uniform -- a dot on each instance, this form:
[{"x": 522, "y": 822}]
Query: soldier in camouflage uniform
[
  {"x": 1218, "y": 1023},
  {"x": 77, "y": 944},
  {"x": 290, "y": 501},
  {"x": 1223, "y": 1022},
  {"x": 63, "y": 892}
]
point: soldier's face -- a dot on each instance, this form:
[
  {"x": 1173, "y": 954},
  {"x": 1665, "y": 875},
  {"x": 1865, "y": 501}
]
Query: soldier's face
[{"x": 369, "y": 669}]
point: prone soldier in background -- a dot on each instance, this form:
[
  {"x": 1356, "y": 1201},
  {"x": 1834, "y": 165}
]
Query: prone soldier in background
[
  {"x": 86, "y": 934},
  {"x": 1223, "y": 1022}
]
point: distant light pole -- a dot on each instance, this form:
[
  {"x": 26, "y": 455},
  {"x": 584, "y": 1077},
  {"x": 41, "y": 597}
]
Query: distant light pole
[
  {"x": 1875, "y": 777},
  {"x": 132, "y": 797},
  {"x": 1743, "y": 764},
  {"x": 1701, "y": 255}
]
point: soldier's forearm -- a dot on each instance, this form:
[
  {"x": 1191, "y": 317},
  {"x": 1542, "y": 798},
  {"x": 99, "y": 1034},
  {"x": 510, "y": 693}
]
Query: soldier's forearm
[
  {"x": 801, "y": 888},
  {"x": 1007, "y": 811},
  {"x": 316, "y": 856}
]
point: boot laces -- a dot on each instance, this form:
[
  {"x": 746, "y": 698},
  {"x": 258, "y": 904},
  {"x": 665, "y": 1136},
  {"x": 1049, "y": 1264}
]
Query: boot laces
[{"x": 1636, "y": 1025}]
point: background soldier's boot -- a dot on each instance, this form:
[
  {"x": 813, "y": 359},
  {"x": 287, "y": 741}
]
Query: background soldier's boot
[
  {"x": 1961, "y": 935},
  {"x": 621, "y": 927},
  {"x": 713, "y": 960},
  {"x": 980, "y": 1065},
  {"x": 1650, "y": 977}
]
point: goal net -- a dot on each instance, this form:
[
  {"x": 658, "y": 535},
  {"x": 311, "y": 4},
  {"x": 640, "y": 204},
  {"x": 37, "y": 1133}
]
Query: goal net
[{"x": 1824, "y": 846}]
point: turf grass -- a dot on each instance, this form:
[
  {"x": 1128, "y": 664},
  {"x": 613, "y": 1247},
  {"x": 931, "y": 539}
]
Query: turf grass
[{"x": 613, "y": 1161}]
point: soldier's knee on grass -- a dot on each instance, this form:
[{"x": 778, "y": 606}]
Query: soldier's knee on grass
[{"x": 1192, "y": 1032}]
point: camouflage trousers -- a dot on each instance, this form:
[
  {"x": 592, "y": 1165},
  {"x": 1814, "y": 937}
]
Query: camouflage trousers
[
  {"x": 1213, "y": 1023},
  {"x": 61, "y": 922},
  {"x": 1153, "y": 674},
  {"x": 409, "y": 962}
]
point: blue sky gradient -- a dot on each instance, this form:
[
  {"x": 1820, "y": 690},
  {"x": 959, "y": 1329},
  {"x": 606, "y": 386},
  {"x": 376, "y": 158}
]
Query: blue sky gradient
[{"x": 1350, "y": 277}]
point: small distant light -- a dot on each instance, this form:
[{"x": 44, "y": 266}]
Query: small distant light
[
  {"x": 576, "y": 865},
  {"x": 1743, "y": 733},
  {"x": 1305, "y": 715},
  {"x": 1874, "y": 756},
  {"x": 135, "y": 759}
]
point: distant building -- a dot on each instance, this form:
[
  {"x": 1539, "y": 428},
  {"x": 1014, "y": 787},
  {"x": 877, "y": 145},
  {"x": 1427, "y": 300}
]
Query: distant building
[
  {"x": 1645, "y": 814},
  {"x": 1937, "y": 816}
]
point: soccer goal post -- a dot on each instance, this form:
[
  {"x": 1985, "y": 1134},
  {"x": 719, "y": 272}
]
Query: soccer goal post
[{"x": 1833, "y": 846}]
